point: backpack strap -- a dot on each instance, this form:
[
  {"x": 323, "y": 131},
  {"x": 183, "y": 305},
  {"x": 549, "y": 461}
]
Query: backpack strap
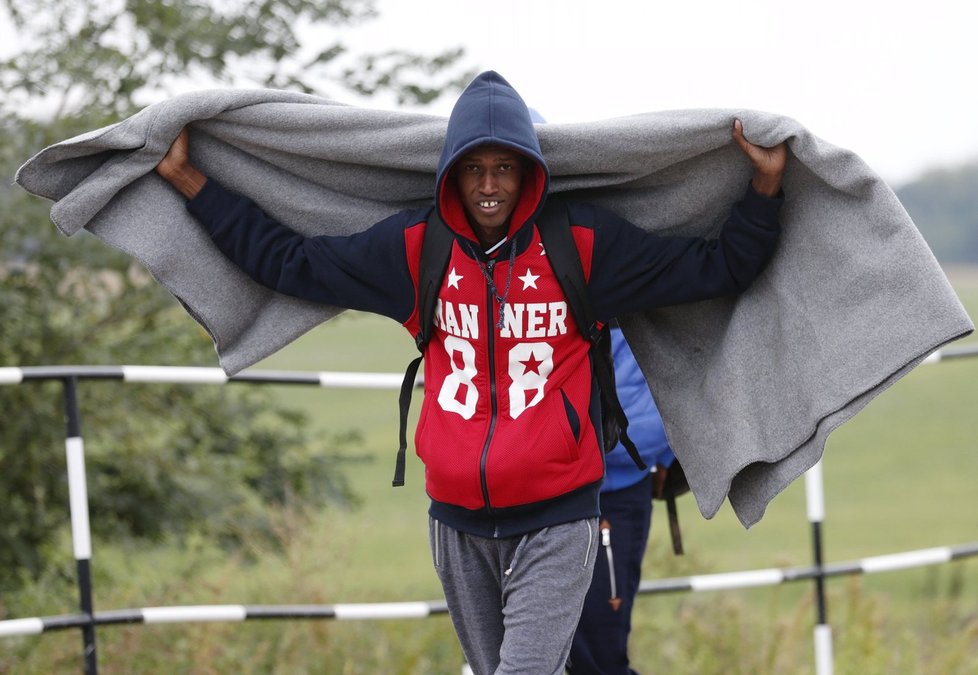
[
  {"x": 436, "y": 249},
  {"x": 555, "y": 232}
]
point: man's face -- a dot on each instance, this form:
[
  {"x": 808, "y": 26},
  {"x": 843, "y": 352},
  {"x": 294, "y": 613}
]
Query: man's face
[{"x": 489, "y": 179}]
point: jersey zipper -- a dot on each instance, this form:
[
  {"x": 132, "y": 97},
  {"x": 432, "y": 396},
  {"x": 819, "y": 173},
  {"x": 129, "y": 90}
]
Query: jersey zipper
[{"x": 493, "y": 407}]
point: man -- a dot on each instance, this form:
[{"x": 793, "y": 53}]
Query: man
[
  {"x": 507, "y": 430},
  {"x": 600, "y": 644}
]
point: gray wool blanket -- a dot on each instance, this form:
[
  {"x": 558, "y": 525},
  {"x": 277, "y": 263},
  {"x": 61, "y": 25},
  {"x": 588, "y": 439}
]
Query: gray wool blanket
[{"x": 749, "y": 388}]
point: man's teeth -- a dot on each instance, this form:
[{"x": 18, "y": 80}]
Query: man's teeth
[{"x": 488, "y": 204}]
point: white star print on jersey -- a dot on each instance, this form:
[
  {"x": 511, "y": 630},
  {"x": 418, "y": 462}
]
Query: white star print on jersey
[
  {"x": 453, "y": 279},
  {"x": 529, "y": 279}
]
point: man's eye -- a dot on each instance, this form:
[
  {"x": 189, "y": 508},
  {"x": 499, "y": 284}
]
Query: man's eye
[{"x": 505, "y": 167}]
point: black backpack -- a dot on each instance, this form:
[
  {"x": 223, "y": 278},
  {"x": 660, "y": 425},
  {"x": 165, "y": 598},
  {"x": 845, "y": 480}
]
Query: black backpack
[{"x": 554, "y": 227}]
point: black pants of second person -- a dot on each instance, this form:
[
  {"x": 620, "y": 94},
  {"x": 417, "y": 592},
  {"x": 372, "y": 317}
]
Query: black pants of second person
[{"x": 600, "y": 645}]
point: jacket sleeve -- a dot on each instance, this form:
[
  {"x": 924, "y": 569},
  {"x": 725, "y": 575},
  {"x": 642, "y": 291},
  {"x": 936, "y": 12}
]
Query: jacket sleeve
[
  {"x": 634, "y": 269},
  {"x": 365, "y": 271}
]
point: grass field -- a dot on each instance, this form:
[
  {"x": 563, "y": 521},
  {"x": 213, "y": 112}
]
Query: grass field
[{"x": 900, "y": 476}]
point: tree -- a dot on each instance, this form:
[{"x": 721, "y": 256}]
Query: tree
[
  {"x": 93, "y": 55},
  {"x": 158, "y": 464}
]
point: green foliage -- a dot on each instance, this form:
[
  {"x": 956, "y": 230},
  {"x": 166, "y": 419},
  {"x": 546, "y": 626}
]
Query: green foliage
[
  {"x": 944, "y": 205},
  {"x": 112, "y": 57},
  {"x": 163, "y": 461},
  {"x": 160, "y": 459}
]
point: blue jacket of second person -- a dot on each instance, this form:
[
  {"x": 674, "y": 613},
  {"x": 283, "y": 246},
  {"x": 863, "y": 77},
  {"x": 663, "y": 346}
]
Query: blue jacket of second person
[{"x": 644, "y": 422}]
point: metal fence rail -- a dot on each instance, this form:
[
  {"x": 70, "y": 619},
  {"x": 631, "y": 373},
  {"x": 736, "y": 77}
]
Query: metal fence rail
[
  {"x": 326, "y": 379},
  {"x": 425, "y": 608}
]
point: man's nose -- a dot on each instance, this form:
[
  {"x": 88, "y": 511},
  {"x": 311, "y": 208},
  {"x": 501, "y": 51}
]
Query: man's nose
[{"x": 488, "y": 185}]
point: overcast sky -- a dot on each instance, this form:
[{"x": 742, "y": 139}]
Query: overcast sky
[{"x": 892, "y": 80}]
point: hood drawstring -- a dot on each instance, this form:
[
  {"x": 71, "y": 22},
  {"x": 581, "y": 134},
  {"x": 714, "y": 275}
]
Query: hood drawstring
[{"x": 486, "y": 269}]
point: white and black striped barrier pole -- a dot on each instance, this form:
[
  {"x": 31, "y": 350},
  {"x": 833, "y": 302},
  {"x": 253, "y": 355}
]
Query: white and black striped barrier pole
[
  {"x": 327, "y": 379},
  {"x": 195, "y": 375},
  {"x": 424, "y": 609},
  {"x": 815, "y": 498},
  {"x": 81, "y": 536}
]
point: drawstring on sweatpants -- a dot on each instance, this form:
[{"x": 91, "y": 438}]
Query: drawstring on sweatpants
[{"x": 516, "y": 555}]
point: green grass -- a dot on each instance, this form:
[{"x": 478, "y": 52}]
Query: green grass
[{"x": 901, "y": 475}]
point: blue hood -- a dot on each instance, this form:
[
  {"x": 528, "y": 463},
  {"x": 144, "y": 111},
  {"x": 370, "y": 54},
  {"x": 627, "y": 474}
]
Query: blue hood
[{"x": 490, "y": 112}]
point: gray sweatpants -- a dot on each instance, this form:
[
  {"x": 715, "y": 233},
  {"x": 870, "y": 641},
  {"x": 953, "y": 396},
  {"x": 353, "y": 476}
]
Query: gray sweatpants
[{"x": 515, "y": 602}]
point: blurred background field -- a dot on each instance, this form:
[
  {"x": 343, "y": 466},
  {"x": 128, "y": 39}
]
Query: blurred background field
[{"x": 900, "y": 476}]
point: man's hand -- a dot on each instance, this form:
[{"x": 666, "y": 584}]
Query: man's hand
[
  {"x": 768, "y": 162},
  {"x": 176, "y": 168}
]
